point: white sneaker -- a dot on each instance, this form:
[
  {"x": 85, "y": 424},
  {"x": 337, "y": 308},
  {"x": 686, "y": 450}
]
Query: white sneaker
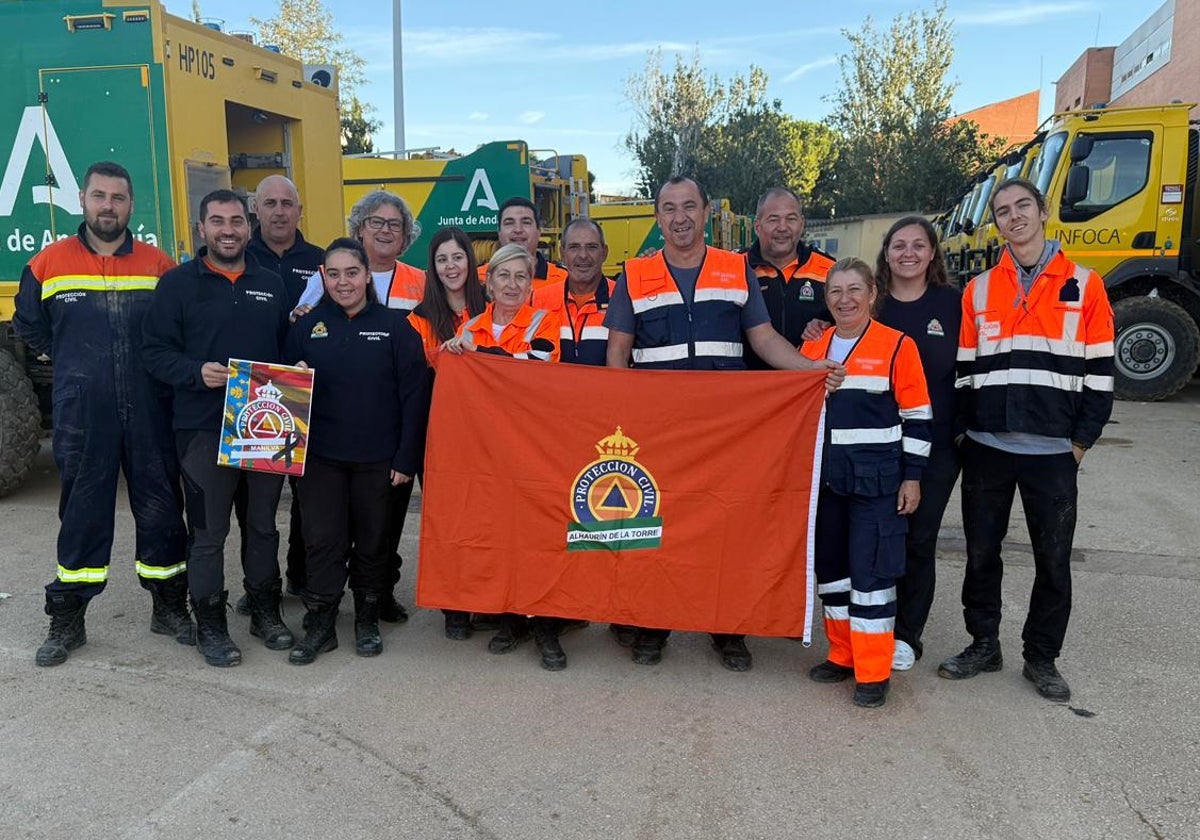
[{"x": 903, "y": 656}]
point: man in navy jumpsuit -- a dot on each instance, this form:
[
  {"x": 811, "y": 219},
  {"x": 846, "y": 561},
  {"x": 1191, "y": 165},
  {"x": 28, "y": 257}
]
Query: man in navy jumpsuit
[{"x": 82, "y": 300}]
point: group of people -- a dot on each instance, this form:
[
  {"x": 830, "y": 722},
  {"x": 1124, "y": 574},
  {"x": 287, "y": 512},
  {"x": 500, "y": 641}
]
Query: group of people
[{"x": 1009, "y": 382}]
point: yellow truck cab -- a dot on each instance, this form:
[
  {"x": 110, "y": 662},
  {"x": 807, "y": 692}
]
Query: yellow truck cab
[{"x": 1121, "y": 190}]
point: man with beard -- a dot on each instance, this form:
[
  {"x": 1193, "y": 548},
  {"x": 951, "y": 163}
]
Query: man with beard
[
  {"x": 222, "y": 305},
  {"x": 82, "y": 301}
]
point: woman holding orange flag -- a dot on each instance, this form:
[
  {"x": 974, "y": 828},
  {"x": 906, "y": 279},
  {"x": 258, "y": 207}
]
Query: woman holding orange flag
[
  {"x": 510, "y": 326},
  {"x": 877, "y": 443},
  {"x": 452, "y": 295}
]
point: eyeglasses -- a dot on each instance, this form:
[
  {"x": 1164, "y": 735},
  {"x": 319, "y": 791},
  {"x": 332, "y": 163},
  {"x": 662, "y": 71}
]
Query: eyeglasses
[{"x": 379, "y": 223}]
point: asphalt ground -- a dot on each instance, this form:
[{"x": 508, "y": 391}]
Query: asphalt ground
[{"x": 135, "y": 737}]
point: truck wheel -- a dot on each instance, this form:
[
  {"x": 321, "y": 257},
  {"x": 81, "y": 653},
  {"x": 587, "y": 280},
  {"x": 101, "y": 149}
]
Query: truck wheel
[
  {"x": 20, "y": 424},
  {"x": 1157, "y": 348}
]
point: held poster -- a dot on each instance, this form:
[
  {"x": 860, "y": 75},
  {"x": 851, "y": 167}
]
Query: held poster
[{"x": 265, "y": 426}]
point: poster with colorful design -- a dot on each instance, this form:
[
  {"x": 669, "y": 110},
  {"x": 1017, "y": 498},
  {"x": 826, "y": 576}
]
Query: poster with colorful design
[{"x": 266, "y": 417}]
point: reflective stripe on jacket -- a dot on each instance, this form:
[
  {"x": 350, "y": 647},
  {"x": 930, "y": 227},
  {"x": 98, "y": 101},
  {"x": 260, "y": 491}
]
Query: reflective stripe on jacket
[
  {"x": 582, "y": 336},
  {"x": 531, "y": 334},
  {"x": 879, "y": 422},
  {"x": 407, "y": 288},
  {"x": 670, "y": 332},
  {"x": 1040, "y": 363},
  {"x": 86, "y": 311},
  {"x": 794, "y": 295}
]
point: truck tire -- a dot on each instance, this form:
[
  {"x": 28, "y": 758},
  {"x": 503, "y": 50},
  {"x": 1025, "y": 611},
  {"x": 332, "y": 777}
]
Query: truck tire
[
  {"x": 20, "y": 424},
  {"x": 1157, "y": 348}
]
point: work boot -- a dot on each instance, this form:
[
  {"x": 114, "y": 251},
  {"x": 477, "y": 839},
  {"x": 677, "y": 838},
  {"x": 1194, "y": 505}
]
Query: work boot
[
  {"x": 66, "y": 628},
  {"x": 870, "y": 695},
  {"x": 734, "y": 654},
  {"x": 391, "y": 610},
  {"x": 545, "y": 636},
  {"x": 169, "y": 616},
  {"x": 514, "y": 629},
  {"x": 212, "y": 631},
  {"x": 242, "y": 607},
  {"x": 830, "y": 672},
  {"x": 648, "y": 646},
  {"x": 1046, "y": 679},
  {"x": 320, "y": 633},
  {"x": 458, "y": 625},
  {"x": 980, "y": 655},
  {"x": 265, "y": 621},
  {"x": 623, "y": 633},
  {"x": 367, "y": 641}
]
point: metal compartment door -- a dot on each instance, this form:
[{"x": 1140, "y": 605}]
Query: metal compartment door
[{"x": 104, "y": 113}]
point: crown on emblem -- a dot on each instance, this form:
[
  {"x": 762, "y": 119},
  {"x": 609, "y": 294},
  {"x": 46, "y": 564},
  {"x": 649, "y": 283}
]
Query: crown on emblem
[
  {"x": 268, "y": 392},
  {"x": 617, "y": 445}
]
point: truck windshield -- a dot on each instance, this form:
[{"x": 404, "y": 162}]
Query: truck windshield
[{"x": 1047, "y": 160}]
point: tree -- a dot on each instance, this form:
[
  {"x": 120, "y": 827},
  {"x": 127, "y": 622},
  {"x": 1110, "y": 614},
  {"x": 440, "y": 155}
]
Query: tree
[
  {"x": 357, "y": 128},
  {"x": 304, "y": 29},
  {"x": 675, "y": 114},
  {"x": 762, "y": 148},
  {"x": 898, "y": 149}
]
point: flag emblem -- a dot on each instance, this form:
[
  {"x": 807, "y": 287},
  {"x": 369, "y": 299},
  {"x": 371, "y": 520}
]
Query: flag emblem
[{"x": 615, "y": 501}]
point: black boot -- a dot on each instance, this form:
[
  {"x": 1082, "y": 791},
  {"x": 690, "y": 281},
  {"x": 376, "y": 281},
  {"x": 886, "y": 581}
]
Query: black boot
[
  {"x": 981, "y": 656},
  {"x": 169, "y": 616},
  {"x": 514, "y": 629},
  {"x": 367, "y": 641},
  {"x": 212, "y": 631},
  {"x": 66, "y": 628},
  {"x": 391, "y": 610},
  {"x": 458, "y": 625},
  {"x": 545, "y": 636},
  {"x": 265, "y": 621},
  {"x": 320, "y": 633}
]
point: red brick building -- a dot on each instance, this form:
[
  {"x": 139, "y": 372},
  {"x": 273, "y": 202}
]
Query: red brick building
[{"x": 1014, "y": 119}]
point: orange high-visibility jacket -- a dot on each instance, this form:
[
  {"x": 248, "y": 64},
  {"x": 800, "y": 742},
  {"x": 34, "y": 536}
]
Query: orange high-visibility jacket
[
  {"x": 582, "y": 336},
  {"x": 879, "y": 423},
  {"x": 670, "y": 334},
  {"x": 531, "y": 334},
  {"x": 424, "y": 328},
  {"x": 407, "y": 289},
  {"x": 1040, "y": 363}
]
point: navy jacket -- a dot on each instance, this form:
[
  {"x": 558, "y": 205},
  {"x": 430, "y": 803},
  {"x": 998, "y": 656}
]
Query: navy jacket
[
  {"x": 297, "y": 264},
  {"x": 371, "y": 385},
  {"x": 199, "y": 316}
]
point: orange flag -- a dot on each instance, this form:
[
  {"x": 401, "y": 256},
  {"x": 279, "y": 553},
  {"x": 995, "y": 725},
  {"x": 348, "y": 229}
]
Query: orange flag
[{"x": 676, "y": 499}]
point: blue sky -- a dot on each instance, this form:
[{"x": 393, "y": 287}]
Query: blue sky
[{"x": 554, "y": 74}]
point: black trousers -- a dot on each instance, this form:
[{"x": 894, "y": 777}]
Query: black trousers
[
  {"x": 398, "y": 501},
  {"x": 208, "y": 493},
  {"x": 914, "y": 591},
  {"x": 344, "y": 507},
  {"x": 1049, "y": 494},
  {"x": 295, "y": 550}
]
